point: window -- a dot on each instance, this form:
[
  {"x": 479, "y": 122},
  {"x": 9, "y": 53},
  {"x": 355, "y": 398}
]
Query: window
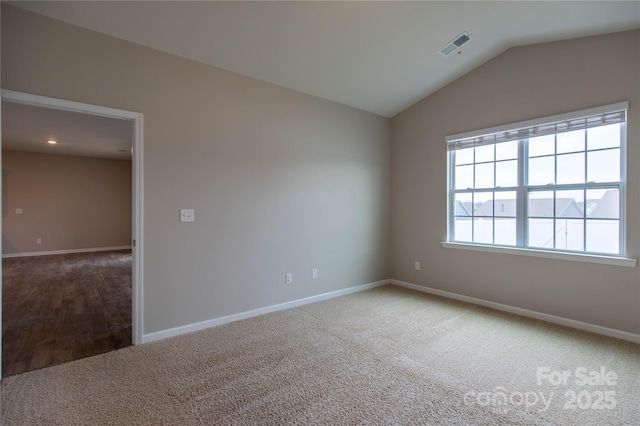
[{"x": 553, "y": 184}]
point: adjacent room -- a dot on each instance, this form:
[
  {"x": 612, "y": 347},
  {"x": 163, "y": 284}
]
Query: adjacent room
[
  {"x": 336, "y": 213},
  {"x": 66, "y": 236}
]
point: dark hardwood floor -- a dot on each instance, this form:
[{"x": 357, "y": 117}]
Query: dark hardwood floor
[{"x": 64, "y": 307}]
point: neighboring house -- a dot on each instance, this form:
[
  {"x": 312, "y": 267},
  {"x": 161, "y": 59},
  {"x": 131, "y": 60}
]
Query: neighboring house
[
  {"x": 606, "y": 207},
  {"x": 484, "y": 225},
  {"x": 541, "y": 207},
  {"x": 463, "y": 209},
  {"x": 565, "y": 207},
  {"x": 503, "y": 208}
]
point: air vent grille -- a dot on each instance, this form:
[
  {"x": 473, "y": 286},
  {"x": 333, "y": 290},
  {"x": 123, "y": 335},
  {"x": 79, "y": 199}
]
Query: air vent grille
[
  {"x": 461, "y": 40},
  {"x": 454, "y": 45}
]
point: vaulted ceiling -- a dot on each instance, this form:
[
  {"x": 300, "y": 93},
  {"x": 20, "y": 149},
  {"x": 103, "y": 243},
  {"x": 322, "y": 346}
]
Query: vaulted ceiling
[{"x": 380, "y": 57}]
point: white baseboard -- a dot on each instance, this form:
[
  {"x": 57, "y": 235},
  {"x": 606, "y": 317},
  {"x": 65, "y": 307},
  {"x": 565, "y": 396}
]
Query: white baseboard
[
  {"x": 163, "y": 334},
  {"x": 51, "y": 252},
  {"x": 618, "y": 334}
]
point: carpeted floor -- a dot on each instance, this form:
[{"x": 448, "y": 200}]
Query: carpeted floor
[{"x": 384, "y": 356}]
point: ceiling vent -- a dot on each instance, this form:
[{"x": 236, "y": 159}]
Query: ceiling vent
[{"x": 456, "y": 44}]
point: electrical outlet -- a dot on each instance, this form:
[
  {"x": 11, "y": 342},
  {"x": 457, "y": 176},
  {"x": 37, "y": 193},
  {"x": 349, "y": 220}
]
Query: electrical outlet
[
  {"x": 417, "y": 266},
  {"x": 38, "y": 240},
  {"x": 187, "y": 215},
  {"x": 288, "y": 278},
  {"x": 18, "y": 211},
  {"x": 314, "y": 274}
]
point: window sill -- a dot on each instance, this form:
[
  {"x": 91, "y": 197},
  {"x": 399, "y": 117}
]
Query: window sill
[{"x": 577, "y": 257}]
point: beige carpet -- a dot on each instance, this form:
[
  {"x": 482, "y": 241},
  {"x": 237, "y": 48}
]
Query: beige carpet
[{"x": 384, "y": 356}]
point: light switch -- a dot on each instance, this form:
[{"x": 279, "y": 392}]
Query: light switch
[
  {"x": 187, "y": 215},
  {"x": 18, "y": 211}
]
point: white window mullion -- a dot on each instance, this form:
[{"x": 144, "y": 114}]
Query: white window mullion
[
  {"x": 521, "y": 196},
  {"x": 493, "y": 198},
  {"x": 584, "y": 197},
  {"x": 451, "y": 185},
  {"x": 622, "y": 189},
  {"x": 473, "y": 217},
  {"x": 584, "y": 221}
]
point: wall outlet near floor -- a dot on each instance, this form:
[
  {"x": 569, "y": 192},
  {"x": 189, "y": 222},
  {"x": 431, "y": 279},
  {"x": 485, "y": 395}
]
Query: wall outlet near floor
[
  {"x": 288, "y": 278},
  {"x": 38, "y": 240},
  {"x": 314, "y": 274},
  {"x": 417, "y": 266},
  {"x": 18, "y": 211}
]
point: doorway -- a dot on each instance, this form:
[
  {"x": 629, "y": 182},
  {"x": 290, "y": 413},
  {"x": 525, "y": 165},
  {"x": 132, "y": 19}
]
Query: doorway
[{"x": 113, "y": 257}]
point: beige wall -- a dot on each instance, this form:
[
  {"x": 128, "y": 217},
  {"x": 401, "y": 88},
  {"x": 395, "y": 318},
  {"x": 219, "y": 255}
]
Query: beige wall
[
  {"x": 280, "y": 181},
  {"x": 68, "y": 202},
  {"x": 523, "y": 83}
]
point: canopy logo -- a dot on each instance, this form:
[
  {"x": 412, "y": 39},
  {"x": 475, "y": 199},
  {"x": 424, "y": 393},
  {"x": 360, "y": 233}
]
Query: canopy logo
[{"x": 597, "y": 397}]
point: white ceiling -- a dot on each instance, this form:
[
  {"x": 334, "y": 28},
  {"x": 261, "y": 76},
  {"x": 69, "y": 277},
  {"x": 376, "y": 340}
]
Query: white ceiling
[
  {"x": 377, "y": 56},
  {"x": 28, "y": 128}
]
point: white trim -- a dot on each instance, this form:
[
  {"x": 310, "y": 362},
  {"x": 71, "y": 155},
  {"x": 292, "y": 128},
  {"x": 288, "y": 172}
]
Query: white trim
[
  {"x": 137, "y": 184},
  {"x": 163, "y": 334},
  {"x": 137, "y": 296},
  {"x": 577, "y": 257},
  {"x": 605, "y": 331},
  {"x": 52, "y": 252},
  {"x": 62, "y": 104},
  {"x": 619, "y": 106}
]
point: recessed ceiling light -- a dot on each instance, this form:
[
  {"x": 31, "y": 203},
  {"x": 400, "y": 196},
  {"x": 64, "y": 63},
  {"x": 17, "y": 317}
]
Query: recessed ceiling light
[{"x": 52, "y": 142}]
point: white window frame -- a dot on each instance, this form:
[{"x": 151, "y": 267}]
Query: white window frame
[{"x": 523, "y": 187}]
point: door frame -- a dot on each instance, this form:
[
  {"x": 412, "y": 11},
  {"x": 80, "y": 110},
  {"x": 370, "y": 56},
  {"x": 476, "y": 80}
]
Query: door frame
[{"x": 137, "y": 242}]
